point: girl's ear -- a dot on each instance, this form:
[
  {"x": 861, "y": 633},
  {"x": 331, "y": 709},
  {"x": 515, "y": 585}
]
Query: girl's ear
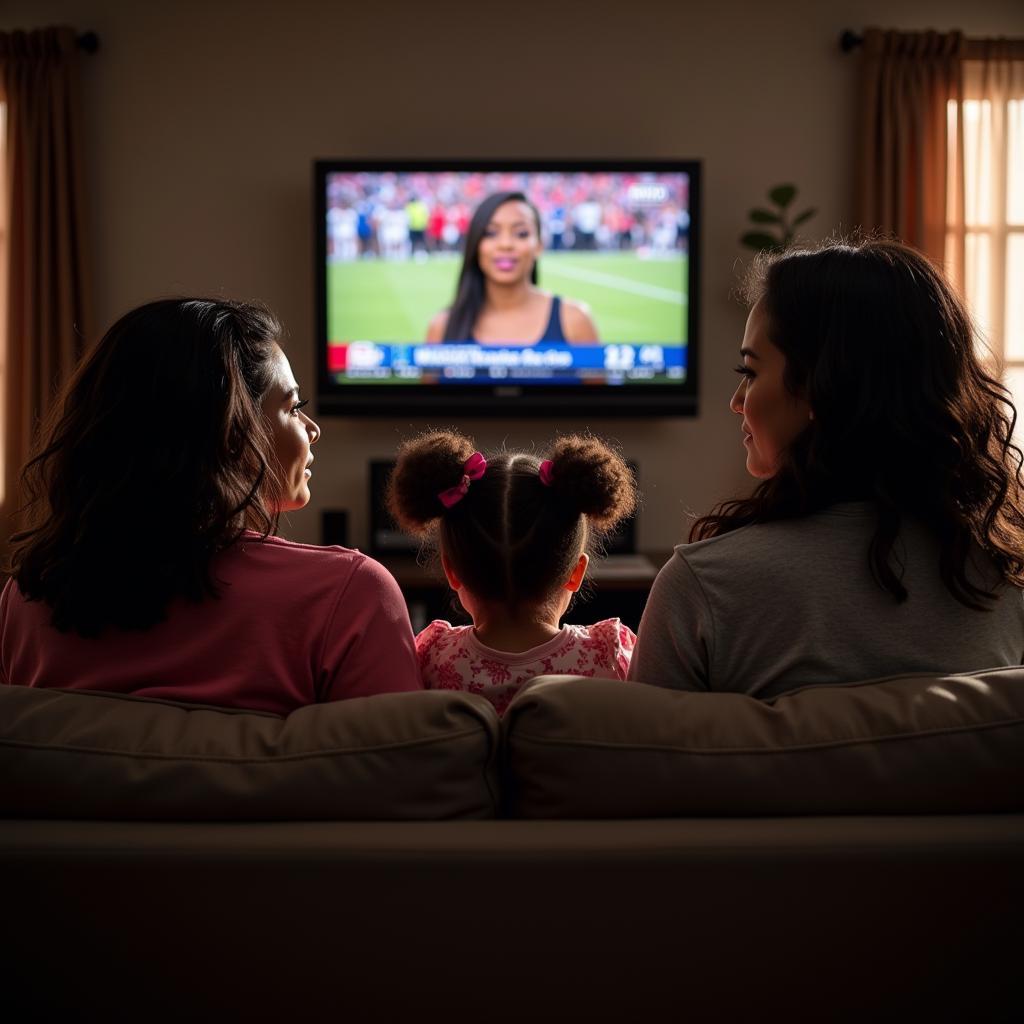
[
  {"x": 575, "y": 581},
  {"x": 453, "y": 581}
]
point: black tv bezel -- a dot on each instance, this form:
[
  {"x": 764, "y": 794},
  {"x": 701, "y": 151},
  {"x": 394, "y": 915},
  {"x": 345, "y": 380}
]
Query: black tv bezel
[{"x": 610, "y": 400}]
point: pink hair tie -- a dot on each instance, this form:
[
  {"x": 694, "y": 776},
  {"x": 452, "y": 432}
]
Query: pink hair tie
[
  {"x": 546, "y": 472},
  {"x": 472, "y": 470}
]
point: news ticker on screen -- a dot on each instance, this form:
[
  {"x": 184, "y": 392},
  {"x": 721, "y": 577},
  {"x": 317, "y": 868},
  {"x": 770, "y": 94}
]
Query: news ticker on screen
[{"x": 608, "y": 363}]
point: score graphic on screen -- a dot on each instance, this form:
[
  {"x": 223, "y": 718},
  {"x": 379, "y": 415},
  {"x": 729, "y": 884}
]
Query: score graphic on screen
[
  {"x": 444, "y": 287},
  {"x": 365, "y": 360}
]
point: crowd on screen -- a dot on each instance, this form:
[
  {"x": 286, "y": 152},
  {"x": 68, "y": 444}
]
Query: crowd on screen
[{"x": 401, "y": 216}]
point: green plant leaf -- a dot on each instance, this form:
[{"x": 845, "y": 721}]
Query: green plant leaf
[
  {"x": 759, "y": 240},
  {"x": 804, "y": 217},
  {"x": 759, "y": 216},
  {"x": 782, "y": 195}
]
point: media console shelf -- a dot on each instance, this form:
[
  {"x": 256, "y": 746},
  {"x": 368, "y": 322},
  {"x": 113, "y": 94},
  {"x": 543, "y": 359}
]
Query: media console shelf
[{"x": 618, "y": 587}]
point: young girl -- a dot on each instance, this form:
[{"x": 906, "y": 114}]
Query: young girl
[{"x": 515, "y": 534}]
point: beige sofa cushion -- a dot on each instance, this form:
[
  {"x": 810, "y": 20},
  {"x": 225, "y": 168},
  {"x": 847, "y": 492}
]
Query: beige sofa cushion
[
  {"x": 406, "y": 756},
  {"x": 601, "y": 748}
]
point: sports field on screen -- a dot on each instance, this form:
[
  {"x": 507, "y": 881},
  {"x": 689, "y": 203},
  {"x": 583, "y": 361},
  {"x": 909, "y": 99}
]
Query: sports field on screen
[{"x": 631, "y": 299}]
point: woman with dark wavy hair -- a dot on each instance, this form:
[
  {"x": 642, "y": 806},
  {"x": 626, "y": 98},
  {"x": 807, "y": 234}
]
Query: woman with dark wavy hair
[
  {"x": 886, "y": 534},
  {"x": 149, "y": 563}
]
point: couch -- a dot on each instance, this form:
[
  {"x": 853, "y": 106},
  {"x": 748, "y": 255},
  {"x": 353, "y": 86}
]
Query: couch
[{"x": 607, "y": 851}]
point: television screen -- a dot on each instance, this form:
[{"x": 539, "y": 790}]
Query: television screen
[{"x": 495, "y": 288}]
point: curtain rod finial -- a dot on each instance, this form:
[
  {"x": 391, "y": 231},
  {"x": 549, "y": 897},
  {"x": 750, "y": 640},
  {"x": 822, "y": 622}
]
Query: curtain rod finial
[{"x": 849, "y": 41}]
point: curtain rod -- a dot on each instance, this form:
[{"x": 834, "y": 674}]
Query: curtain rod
[
  {"x": 973, "y": 49},
  {"x": 88, "y": 42}
]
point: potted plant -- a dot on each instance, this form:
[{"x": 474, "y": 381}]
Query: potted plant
[{"x": 776, "y": 228}]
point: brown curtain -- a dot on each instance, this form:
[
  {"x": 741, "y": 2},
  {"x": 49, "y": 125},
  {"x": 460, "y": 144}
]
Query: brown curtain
[
  {"x": 908, "y": 80},
  {"x": 48, "y": 315}
]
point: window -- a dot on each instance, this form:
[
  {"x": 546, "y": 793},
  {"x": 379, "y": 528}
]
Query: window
[{"x": 992, "y": 225}]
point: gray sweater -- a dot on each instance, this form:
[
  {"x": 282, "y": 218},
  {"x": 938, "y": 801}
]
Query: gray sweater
[{"x": 774, "y": 606}]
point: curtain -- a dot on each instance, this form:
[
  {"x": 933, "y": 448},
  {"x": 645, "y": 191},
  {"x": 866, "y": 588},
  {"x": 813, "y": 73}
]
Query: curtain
[
  {"x": 48, "y": 310},
  {"x": 908, "y": 80}
]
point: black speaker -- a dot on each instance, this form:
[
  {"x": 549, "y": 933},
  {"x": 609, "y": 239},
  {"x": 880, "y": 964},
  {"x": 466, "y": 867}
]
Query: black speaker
[
  {"x": 623, "y": 540},
  {"x": 385, "y": 537},
  {"x": 334, "y": 527}
]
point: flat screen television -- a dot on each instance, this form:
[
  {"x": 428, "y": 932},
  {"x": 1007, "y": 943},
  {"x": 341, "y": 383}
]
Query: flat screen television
[{"x": 606, "y": 252}]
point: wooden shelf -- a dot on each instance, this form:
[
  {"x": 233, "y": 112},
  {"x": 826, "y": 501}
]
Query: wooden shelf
[
  {"x": 618, "y": 588},
  {"x": 612, "y": 573}
]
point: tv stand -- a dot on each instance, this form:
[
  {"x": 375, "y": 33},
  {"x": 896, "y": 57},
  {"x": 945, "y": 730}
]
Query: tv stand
[{"x": 618, "y": 587}]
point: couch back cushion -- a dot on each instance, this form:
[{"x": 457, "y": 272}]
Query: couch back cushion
[
  {"x": 601, "y": 748},
  {"x": 404, "y": 756}
]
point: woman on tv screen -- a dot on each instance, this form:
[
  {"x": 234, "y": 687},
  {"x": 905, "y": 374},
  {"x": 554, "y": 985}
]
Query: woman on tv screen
[{"x": 497, "y": 300}]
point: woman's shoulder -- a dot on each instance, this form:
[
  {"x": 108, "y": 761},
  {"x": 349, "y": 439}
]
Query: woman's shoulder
[
  {"x": 573, "y": 307},
  {"x": 762, "y": 554},
  {"x": 771, "y": 538},
  {"x": 719, "y": 546},
  {"x": 284, "y": 550},
  {"x": 437, "y": 325},
  {"x": 311, "y": 564},
  {"x": 577, "y": 320},
  {"x": 746, "y": 552}
]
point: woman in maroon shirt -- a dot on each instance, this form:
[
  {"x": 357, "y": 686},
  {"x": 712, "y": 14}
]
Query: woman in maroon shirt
[{"x": 149, "y": 564}]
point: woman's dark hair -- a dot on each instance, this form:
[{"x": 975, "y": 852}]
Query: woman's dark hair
[
  {"x": 156, "y": 457},
  {"x": 512, "y": 539},
  {"x": 904, "y": 414},
  {"x": 469, "y": 294}
]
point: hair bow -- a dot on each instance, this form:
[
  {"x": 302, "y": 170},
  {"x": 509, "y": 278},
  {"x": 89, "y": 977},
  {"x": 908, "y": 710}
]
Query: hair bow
[
  {"x": 472, "y": 470},
  {"x": 546, "y": 472}
]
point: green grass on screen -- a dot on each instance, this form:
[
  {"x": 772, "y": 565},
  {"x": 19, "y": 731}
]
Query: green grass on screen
[{"x": 630, "y": 299}]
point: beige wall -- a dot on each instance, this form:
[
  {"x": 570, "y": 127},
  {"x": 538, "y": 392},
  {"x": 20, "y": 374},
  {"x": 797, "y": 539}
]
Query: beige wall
[{"x": 204, "y": 118}]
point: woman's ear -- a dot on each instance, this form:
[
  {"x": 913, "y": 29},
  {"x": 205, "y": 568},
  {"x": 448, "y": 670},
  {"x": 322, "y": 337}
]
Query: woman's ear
[
  {"x": 453, "y": 581},
  {"x": 575, "y": 581}
]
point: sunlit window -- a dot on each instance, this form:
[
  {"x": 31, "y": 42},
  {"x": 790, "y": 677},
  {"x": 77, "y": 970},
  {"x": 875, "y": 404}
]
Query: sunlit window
[{"x": 992, "y": 228}]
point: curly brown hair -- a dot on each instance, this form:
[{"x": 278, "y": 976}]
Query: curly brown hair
[
  {"x": 512, "y": 539},
  {"x": 905, "y": 415},
  {"x": 156, "y": 457}
]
